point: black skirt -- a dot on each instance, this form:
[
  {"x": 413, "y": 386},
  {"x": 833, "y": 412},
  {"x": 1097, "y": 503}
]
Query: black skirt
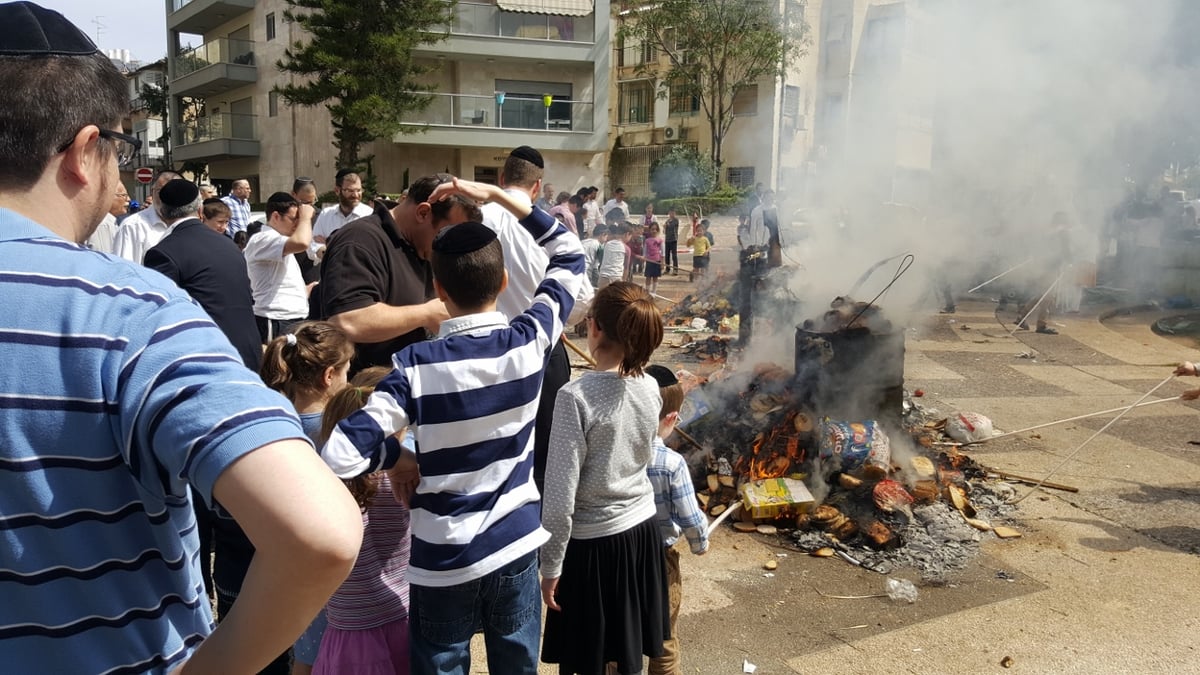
[
  {"x": 653, "y": 270},
  {"x": 615, "y": 606}
]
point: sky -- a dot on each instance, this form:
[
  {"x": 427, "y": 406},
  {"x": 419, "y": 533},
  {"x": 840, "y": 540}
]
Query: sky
[{"x": 136, "y": 25}]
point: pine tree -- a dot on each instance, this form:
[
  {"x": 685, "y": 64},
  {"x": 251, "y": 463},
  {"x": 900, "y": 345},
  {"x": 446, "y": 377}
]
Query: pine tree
[{"x": 357, "y": 59}]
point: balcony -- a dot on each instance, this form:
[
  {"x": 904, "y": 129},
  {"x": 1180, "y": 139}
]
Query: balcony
[
  {"x": 473, "y": 18},
  {"x": 471, "y": 120},
  {"x": 514, "y": 112},
  {"x": 213, "y": 67},
  {"x": 200, "y": 16},
  {"x": 214, "y": 137}
]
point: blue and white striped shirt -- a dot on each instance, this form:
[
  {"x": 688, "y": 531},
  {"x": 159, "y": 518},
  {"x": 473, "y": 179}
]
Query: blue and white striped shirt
[
  {"x": 471, "y": 397},
  {"x": 117, "y": 393}
]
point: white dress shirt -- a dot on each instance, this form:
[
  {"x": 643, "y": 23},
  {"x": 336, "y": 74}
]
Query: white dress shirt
[
  {"x": 330, "y": 220},
  {"x": 102, "y": 239},
  {"x": 526, "y": 263},
  {"x": 275, "y": 279},
  {"x": 758, "y": 235},
  {"x": 139, "y": 233},
  {"x": 614, "y": 204}
]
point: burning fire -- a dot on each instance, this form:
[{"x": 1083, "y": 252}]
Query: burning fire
[{"x": 773, "y": 453}]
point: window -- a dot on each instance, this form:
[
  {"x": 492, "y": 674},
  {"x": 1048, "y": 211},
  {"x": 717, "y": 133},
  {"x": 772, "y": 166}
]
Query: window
[
  {"x": 487, "y": 174},
  {"x": 273, "y": 104},
  {"x": 635, "y": 53},
  {"x": 271, "y": 26},
  {"x": 683, "y": 101},
  {"x": 635, "y": 101},
  {"x": 740, "y": 176},
  {"x": 791, "y": 101},
  {"x": 745, "y": 101}
]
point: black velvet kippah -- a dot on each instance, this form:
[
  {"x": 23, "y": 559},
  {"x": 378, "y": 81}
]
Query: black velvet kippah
[
  {"x": 662, "y": 375},
  {"x": 463, "y": 238},
  {"x": 30, "y": 30},
  {"x": 178, "y": 192},
  {"x": 529, "y": 155}
]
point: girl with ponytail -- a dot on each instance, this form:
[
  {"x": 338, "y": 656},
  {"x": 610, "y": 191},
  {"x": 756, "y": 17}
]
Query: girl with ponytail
[
  {"x": 604, "y": 568},
  {"x": 308, "y": 366}
]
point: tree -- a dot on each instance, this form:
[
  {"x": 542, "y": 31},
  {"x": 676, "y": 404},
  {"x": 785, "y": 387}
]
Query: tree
[
  {"x": 715, "y": 49},
  {"x": 358, "y": 62},
  {"x": 156, "y": 99},
  {"x": 682, "y": 172}
]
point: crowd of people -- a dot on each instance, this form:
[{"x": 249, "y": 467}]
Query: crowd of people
[{"x": 352, "y": 431}]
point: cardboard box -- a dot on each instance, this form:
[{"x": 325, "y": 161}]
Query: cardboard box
[{"x": 775, "y": 497}]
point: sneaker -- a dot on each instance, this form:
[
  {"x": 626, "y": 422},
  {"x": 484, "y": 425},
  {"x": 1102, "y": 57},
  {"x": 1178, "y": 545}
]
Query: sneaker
[
  {"x": 947, "y": 310},
  {"x": 1046, "y": 330},
  {"x": 1023, "y": 326}
]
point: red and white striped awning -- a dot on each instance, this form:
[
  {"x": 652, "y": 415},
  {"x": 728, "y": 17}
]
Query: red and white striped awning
[{"x": 559, "y": 7}]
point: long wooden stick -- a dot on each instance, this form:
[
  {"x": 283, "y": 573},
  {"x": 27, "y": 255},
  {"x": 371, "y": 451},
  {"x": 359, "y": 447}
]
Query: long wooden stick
[
  {"x": 1011, "y": 269},
  {"x": 1102, "y": 429},
  {"x": 1064, "y": 421},
  {"x": 688, "y": 437},
  {"x": 586, "y": 357},
  {"x": 1030, "y": 481},
  {"x": 1035, "y": 306}
]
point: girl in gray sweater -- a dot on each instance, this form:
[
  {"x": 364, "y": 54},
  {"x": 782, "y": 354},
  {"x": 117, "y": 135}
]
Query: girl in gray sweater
[{"x": 603, "y": 570}]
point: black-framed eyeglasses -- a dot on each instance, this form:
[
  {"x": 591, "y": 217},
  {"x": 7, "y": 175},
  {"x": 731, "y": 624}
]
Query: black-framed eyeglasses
[{"x": 126, "y": 146}]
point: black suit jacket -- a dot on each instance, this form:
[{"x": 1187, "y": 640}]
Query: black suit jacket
[{"x": 212, "y": 269}]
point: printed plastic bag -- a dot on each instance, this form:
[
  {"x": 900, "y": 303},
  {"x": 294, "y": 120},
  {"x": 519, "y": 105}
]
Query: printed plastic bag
[{"x": 851, "y": 445}]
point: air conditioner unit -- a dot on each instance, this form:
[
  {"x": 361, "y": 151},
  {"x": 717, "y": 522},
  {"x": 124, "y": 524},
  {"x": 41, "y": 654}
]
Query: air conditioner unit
[{"x": 672, "y": 133}]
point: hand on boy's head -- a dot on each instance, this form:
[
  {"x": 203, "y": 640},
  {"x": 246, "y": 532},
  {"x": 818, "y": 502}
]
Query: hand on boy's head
[{"x": 479, "y": 192}]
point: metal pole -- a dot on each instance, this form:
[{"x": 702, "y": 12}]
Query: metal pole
[{"x": 1011, "y": 269}]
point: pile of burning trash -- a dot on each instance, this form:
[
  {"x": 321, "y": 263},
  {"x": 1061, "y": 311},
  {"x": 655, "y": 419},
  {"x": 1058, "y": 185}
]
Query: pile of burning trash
[
  {"x": 713, "y": 303},
  {"x": 872, "y": 489}
]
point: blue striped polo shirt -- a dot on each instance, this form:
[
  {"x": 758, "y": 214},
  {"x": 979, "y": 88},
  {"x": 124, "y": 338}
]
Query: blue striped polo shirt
[
  {"x": 117, "y": 392},
  {"x": 471, "y": 397}
]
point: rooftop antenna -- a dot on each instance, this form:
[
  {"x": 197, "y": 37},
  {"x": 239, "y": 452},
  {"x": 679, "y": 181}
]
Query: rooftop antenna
[{"x": 100, "y": 27}]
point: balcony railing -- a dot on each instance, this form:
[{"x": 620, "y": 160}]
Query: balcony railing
[
  {"x": 516, "y": 112},
  {"x": 217, "y": 127},
  {"x": 474, "y": 18},
  {"x": 221, "y": 50}
]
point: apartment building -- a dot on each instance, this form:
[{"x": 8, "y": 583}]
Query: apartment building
[
  {"x": 512, "y": 72},
  {"x": 875, "y": 95},
  {"x": 768, "y": 142}
]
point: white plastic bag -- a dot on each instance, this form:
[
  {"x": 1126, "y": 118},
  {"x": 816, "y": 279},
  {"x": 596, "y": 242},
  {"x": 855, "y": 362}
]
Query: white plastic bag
[{"x": 966, "y": 427}]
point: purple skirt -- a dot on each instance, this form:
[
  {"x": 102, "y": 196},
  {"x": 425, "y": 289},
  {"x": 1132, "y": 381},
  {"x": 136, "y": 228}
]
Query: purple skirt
[{"x": 375, "y": 651}]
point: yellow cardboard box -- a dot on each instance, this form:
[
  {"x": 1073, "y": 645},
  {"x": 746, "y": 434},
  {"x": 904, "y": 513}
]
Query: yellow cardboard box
[{"x": 774, "y": 497}]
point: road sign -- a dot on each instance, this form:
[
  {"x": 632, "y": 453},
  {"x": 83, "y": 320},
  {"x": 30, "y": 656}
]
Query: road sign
[{"x": 144, "y": 175}]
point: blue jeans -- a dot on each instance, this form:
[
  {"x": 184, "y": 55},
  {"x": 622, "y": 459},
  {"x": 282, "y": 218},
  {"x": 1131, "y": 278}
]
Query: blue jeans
[{"x": 505, "y": 605}]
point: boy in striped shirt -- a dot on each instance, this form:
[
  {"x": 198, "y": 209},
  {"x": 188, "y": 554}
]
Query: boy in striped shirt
[{"x": 471, "y": 397}]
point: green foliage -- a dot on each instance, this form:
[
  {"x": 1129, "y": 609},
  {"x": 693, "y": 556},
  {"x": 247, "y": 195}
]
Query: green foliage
[
  {"x": 715, "y": 49},
  {"x": 725, "y": 199},
  {"x": 358, "y": 62},
  {"x": 683, "y": 172}
]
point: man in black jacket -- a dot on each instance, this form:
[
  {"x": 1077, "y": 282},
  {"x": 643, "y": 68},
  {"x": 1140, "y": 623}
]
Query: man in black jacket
[{"x": 208, "y": 266}]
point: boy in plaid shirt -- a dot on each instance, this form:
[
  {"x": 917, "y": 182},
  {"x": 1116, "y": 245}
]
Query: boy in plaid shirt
[{"x": 675, "y": 499}]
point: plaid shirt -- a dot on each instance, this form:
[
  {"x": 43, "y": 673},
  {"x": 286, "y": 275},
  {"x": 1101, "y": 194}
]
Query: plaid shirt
[
  {"x": 239, "y": 216},
  {"x": 675, "y": 499}
]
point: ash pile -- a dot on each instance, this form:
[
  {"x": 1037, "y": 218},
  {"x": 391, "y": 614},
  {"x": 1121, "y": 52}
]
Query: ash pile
[{"x": 835, "y": 459}]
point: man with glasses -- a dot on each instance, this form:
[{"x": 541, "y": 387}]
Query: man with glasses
[
  {"x": 238, "y": 201},
  {"x": 142, "y": 406},
  {"x": 347, "y": 185},
  {"x": 102, "y": 239},
  {"x": 376, "y": 283},
  {"x": 280, "y": 296},
  {"x": 142, "y": 230}
]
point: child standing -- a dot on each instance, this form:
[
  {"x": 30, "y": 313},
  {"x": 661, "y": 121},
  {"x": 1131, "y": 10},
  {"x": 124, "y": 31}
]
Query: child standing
[
  {"x": 675, "y": 500},
  {"x": 591, "y": 252},
  {"x": 308, "y": 366},
  {"x": 613, "y": 261},
  {"x": 603, "y": 570},
  {"x": 471, "y": 398},
  {"x": 368, "y": 614},
  {"x": 701, "y": 246},
  {"x": 653, "y": 257},
  {"x": 671, "y": 243}
]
